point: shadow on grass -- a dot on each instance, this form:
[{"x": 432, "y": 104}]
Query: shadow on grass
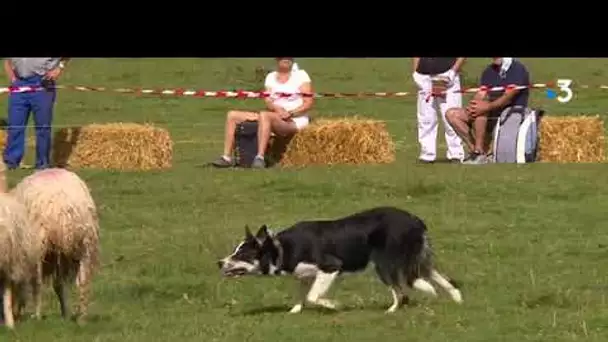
[
  {"x": 63, "y": 145},
  {"x": 56, "y": 317},
  {"x": 284, "y": 309}
]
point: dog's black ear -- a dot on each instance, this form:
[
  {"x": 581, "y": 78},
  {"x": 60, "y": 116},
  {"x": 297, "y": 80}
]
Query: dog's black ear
[{"x": 262, "y": 233}]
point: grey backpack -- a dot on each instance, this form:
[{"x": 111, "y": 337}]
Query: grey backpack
[{"x": 516, "y": 135}]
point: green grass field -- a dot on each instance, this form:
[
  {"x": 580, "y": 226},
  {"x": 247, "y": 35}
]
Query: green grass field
[{"x": 528, "y": 242}]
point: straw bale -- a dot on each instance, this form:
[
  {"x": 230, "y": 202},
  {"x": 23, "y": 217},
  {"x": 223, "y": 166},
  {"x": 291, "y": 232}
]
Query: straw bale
[
  {"x": 336, "y": 141},
  {"x": 30, "y": 140},
  {"x": 119, "y": 146},
  {"x": 572, "y": 139}
]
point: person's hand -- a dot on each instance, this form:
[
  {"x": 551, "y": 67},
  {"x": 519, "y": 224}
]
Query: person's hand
[
  {"x": 451, "y": 75},
  {"x": 423, "y": 82},
  {"x": 53, "y": 75},
  {"x": 478, "y": 107},
  {"x": 252, "y": 116},
  {"x": 284, "y": 114}
]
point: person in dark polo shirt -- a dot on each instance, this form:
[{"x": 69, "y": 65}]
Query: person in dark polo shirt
[
  {"x": 485, "y": 108},
  {"x": 31, "y": 72},
  {"x": 445, "y": 70}
]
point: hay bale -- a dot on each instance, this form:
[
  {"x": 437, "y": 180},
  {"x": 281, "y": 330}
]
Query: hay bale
[
  {"x": 120, "y": 146},
  {"x": 60, "y": 206},
  {"x": 572, "y": 139},
  {"x": 30, "y": 140},
  {"x": 336, "y": 141}
]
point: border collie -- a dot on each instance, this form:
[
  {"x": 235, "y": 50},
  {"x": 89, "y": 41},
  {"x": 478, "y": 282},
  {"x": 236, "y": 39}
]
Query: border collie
[{"x": 316, "y": 252}]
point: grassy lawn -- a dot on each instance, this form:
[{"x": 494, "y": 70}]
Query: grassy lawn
[{"x": 528, "y": 242}]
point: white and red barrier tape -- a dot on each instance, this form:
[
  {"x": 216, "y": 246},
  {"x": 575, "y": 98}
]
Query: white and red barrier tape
[{"x": 250, "y": 94}]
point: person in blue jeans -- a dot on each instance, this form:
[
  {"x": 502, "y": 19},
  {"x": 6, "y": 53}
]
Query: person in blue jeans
[{"x": 32, "y": 72}]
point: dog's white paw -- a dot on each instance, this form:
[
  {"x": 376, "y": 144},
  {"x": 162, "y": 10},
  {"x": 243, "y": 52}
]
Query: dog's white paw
[
  {"x": 325, "y": 303},
  {"x": 296, "y": 309},
  {"x": 328, "y": 303},
  {"x": 392, "y": 309},
  {"x": 456, "y": 296}
]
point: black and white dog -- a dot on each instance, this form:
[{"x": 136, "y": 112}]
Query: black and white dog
[{"x": 316, "y": 252}]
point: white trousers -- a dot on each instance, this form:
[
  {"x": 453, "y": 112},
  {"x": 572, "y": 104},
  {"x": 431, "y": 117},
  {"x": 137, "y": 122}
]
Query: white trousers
[{"x": 427, "y": 119}]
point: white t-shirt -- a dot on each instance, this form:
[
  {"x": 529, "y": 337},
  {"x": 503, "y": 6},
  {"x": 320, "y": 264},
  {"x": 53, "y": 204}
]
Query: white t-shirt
[{"x": 292, "y": 86}]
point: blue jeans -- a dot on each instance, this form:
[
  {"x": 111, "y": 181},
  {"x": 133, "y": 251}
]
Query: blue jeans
[{"x": 19, "y": 107}]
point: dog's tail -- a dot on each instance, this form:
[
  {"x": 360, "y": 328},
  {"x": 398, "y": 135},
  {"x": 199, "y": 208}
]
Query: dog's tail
[
  {"x": 425, "y": 264},
  {"x": 424, "y": 258}
]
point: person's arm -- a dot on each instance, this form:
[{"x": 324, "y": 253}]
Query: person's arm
[
  {"x": 8, "y": 69},
  {"x": 416, "y": 62},
  {"x": 54, "y": 73},
  {"x": 305, "y": 88},
  {"x": 510, "y": 93},
  {"x": 480, "y": 95},
  {"x": 458, "y": 65},
  {"x": 503, "y": 100},
  {"x": 63, "y": 61}
]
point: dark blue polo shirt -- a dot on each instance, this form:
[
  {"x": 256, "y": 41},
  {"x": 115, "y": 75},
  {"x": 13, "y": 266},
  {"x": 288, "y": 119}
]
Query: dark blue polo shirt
[{"x": 517, "y": 74}]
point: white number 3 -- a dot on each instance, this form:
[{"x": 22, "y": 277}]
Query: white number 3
[{"x": 564, "y": 87}]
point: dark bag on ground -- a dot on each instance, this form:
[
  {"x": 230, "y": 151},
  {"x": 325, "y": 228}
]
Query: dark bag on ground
[
  {"x": 246, "y": 142},
  {"x": 516, "y": 136}
]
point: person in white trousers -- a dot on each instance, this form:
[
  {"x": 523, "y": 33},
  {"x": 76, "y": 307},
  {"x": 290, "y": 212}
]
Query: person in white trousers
[{"x": 425, "y": 69}]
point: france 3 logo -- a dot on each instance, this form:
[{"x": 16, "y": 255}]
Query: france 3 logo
[{"x": 564, "y": 91}]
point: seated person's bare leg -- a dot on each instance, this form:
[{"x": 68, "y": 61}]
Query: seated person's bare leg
[
  {"x": 271, "y": 122},
  {"x": 233, "y": 118},
  {"x": 480, "y": 124},
  {"x": 459, "y": 119},
  {"x": 492, "y": 120},
  {"x": 480, "y": 149}
]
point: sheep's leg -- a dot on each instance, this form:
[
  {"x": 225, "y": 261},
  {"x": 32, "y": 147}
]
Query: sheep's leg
[
  {"x": 83, "y": 283},
  {"x": 7, "y": 301},
  {"x": 18, "y": 301},
  {"x": 36, "y": 291},
  {"x": 61, "y": 292}
]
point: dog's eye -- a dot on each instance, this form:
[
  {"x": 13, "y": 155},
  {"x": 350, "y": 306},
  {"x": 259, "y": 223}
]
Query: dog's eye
[{"x": 246, "y": 254}]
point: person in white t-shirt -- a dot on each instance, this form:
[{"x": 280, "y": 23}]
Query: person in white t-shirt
[{"x": 286, "y": 114}]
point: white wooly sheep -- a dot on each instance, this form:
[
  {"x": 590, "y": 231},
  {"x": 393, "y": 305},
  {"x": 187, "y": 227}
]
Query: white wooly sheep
[
  {"x": 60, "y": 206},
  {"x": 21, "y": 248}
]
